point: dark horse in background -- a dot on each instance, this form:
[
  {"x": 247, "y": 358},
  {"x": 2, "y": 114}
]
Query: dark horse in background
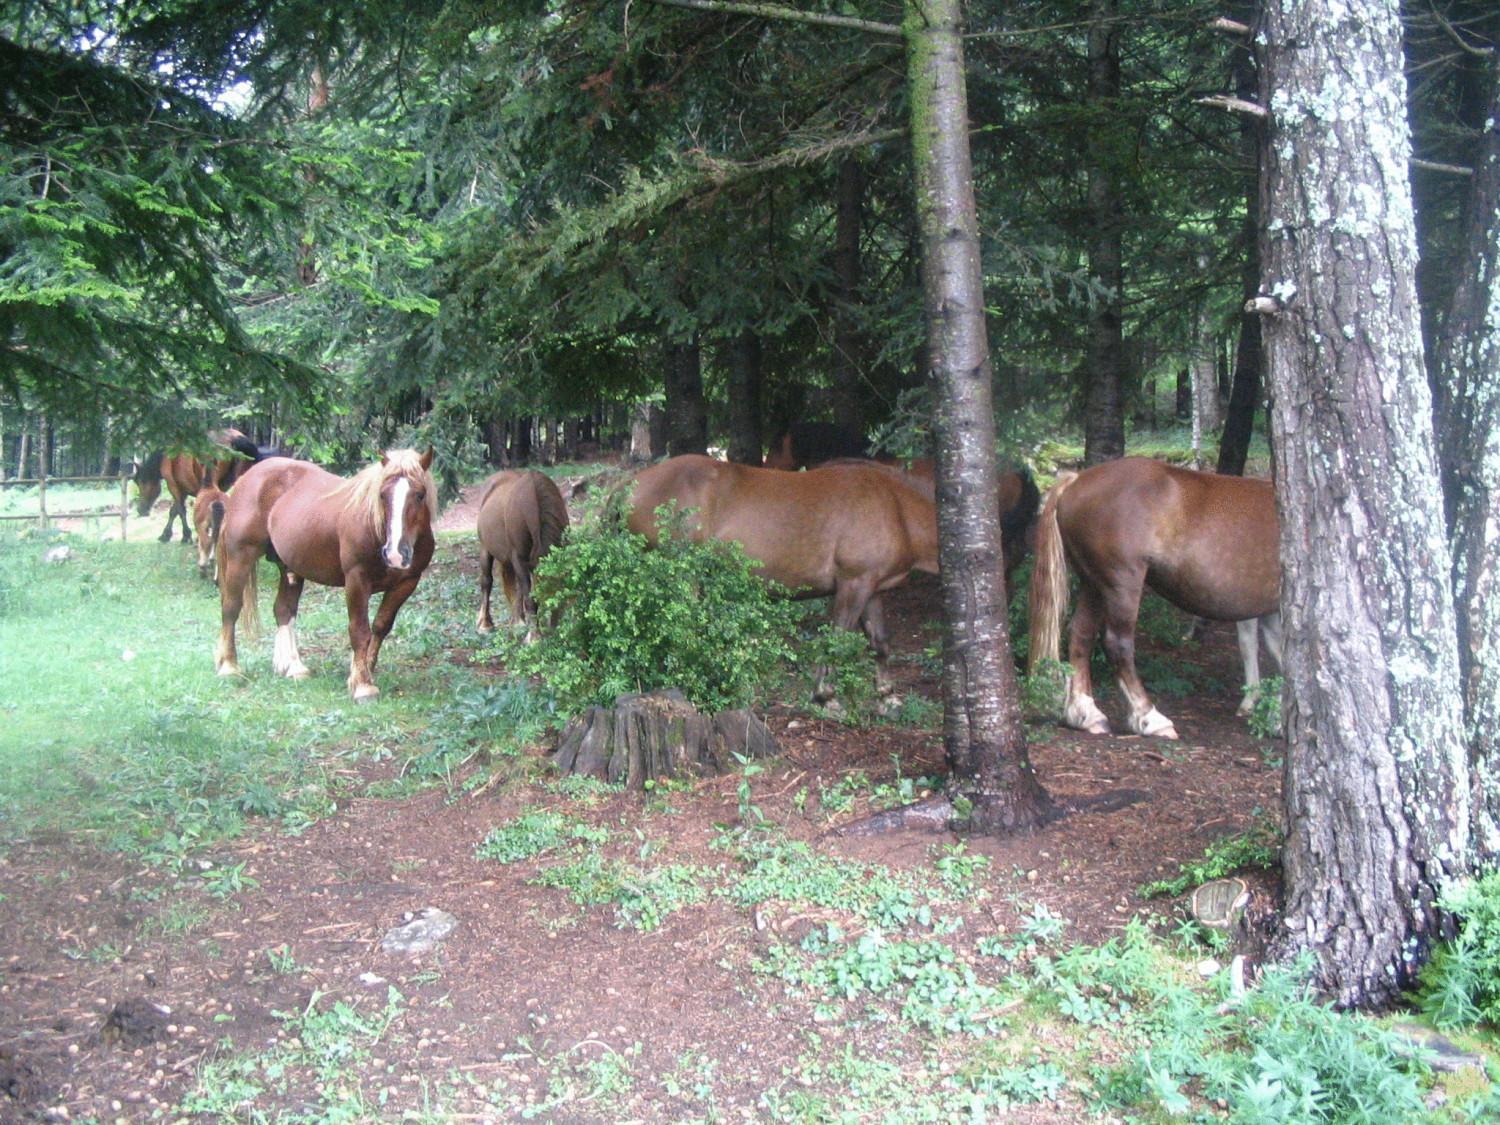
[
  {"x": 805, "y": 445},
  {"x": 1206, "y": 543},
  {"x": 522, "y": 516},
  {"x": 371, "y": 534},
  {"x": 852, "y": 529},
  {"x": 184, "y": 475}
]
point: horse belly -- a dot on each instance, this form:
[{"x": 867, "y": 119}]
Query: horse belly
[{"x": 1247, "y": 585}]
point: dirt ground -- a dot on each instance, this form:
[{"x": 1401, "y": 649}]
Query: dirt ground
[{"x": 525, "y": 978}]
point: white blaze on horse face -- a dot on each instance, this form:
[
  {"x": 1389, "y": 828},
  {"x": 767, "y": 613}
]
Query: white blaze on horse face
[{"x": 392, "y": 552}]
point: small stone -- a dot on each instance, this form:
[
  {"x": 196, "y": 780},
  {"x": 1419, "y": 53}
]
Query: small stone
[{"x": 1207, "y": 968}]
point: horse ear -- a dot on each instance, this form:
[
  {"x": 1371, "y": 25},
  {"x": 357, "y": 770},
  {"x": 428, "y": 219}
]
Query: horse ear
[
  {"x": 383, "y": 459},
  {"x": 427, "y": 458}
]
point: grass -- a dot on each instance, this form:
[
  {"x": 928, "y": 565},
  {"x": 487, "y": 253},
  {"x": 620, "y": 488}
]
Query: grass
[{"x": 114, "y": 725}]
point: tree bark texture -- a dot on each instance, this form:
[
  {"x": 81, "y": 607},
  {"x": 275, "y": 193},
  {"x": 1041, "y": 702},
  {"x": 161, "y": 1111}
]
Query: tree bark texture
[
  {"x": 1375, "y": 786},
  {"x": 1104, "y": 407},
  {"x": 982, "y": 729},
  {"x": 659, "y": 735},
  {"x": 747, "y": 443},
  {"x": 687, "y": 413},
  {"x": 1468, "y": 427}
]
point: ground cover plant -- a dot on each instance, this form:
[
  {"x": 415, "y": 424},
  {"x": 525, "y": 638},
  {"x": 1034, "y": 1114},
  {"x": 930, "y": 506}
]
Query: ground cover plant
[{"x": 708, "y": 950}]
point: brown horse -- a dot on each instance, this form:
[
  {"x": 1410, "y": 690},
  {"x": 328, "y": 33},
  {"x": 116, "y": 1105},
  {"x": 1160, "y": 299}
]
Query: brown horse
[
  {"x": 1018, "y": 500},
  {"x": 1204, "y": 542},
  {"x": 853, "y": 529},
  {"x": 184, "y": 475},
  {"x": 370, "y": 534},
  {"x": 208, "y": 518},
  {"x": 522, "y": 516}
]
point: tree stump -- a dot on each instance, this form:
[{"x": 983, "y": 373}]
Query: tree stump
[{"x": 659, "y": 735}]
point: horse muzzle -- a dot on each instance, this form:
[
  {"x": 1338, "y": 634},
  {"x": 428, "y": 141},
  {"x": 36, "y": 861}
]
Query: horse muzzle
[{"x": 398, "y": 558}]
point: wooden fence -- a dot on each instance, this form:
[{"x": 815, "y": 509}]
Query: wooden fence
[{"x": 46, "y": 517}]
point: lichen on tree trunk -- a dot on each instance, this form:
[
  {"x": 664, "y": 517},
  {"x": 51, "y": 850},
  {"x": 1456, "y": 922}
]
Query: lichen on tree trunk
[{"x": 1376, "y": 793}]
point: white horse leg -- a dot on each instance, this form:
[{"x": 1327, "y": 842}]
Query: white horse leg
[
  {"x": 287, "y": 660},
  {"x": 1248, "y": 633},
  {"x": 1142, "y": 716},
  {"x": 1081, "y": 712}
]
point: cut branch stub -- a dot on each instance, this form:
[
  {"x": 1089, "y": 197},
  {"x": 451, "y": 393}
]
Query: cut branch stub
[{"x": 659, "y": 735}]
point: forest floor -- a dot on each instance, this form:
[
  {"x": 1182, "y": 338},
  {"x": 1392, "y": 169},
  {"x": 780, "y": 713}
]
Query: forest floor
[{"x": 283, "y": 998}]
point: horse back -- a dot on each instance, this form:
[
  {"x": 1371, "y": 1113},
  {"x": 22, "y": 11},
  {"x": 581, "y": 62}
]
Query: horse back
[
  {"x": 807, "y": 531},
  {"x": 1208, "y": 543},
  {"x": 522, "y": 513}
]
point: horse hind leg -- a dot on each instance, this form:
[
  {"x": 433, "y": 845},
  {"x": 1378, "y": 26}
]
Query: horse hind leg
[
  {"x": 236, "y": 583},
  {"x": 525, "y": 602},
  {"x": 1247, "y": 633},
  {"x": 286, "y": 660},
  {"x": 873, "y": 620},
  {"x": 1119, "y": 643},
  {"x": 485, "y": 623},
  {"x": 1079, "y": 709}
]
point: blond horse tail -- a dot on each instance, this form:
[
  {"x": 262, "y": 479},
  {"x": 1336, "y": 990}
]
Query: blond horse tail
[{"x": 1049, "y": 579}]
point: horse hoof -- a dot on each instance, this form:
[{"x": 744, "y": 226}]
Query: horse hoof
[
  {"x": 227, "y": 669},
  {"x": 298, "y": 672},
  {"x": 889, "y": 705},
  {"x": 364, "y": 693},
  {"x": 1153, "y": 724},
  {"x": 485, "y": 627},
  {"x": 1096, "y": 726}
]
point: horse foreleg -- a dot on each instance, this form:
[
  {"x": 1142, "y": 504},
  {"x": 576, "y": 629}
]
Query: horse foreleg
[
  {"x": 361, "y": 674},
  {"x": 374, "y": 635},
  {"x": 286, "y": 660},
  {"x": 1079, "y": 709},
  {"x": 231, "y": 601},
  {"x": 873, "y": 620},
  {"x": 1120, "y": 609},
  {"x": 486, "y": 623},
  {"x": 1247, "y": 632}
]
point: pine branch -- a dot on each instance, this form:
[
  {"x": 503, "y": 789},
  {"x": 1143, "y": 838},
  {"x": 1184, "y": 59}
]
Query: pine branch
[{"x": 791, "y": 15}]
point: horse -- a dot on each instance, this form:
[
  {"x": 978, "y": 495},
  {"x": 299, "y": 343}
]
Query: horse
[
  {"x": 1018, "y": 499},
  {"x": 852, "y": 529},
  {"x": 184, "y": 475},
  {"x": 1204, "y": 542},
  {"x": 805, "y": 445},
  {"x": 369, "y": 534},
  {"x": 522, "y": 516},
  {"x": 208, "y": 518}
]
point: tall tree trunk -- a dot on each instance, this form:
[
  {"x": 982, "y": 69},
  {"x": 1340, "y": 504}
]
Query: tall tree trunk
[
  {"x": 1468, "y": 427},
  {"x": 746, "y": 442},
  {"x": 687, "y": 413},
  {"x": 24, "y": 447},
  {"x": 848, "y": 372},
  {"x": 494, "y": 440},
  {"x": 1104, "y": 408},
  {"x": 983, "y": 734},
  {"x": 1204, "y": 376},
  {"x": 647, "y": 432},
  {"x": 521, "y": 447},
  {"x": 1376, "y": 781}
]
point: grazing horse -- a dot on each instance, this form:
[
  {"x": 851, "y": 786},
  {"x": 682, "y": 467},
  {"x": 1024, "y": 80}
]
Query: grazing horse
[
  {"x": 806, "y": 445},
  {"x": 853, "y": 529},
  {"x": 522, "y": 515},
  {"x": 371, "y": 534},
  {"x": 1018, "y": 499},
  {"x": 208, "y": 518},
  {"x": 184, "y": 475},
  {"x": 1204, "y": 542}
]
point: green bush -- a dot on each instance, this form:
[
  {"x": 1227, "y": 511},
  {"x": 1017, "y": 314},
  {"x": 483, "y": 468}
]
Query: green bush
[
  {"x": 1461, "y": 984},
  {"x": 693, "y": 616}
]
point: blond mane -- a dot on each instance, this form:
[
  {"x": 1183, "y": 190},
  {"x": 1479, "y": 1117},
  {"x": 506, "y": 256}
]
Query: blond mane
[{"x": 361, "y": 492}]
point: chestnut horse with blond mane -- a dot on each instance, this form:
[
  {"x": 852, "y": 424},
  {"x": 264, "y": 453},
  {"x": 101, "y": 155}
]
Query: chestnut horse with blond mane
[
  {"x": 853, "y": 529},
  {"x": 371, "y": 534},
  {"x": 1206, "y": 543}
]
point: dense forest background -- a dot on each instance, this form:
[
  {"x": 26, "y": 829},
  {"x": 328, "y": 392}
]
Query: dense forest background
[{"x": 506, "y": 229}]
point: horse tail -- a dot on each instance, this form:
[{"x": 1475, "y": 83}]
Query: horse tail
[
  {"x": 1049, "y": 579},
  {"x": 249, "y": 610},
  {"x": 216, "y": 522},
  {"x": 552, "y": 519}
]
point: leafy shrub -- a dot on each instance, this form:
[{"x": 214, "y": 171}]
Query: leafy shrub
[
  {"x": 1265, "y": 711},
  {"x": 1044, "y": 689},
  {"x": 850, "y": 665},
  {"x": 533, "y": 832},
  {"x": 1461, "y": 984},
  {"x": 693, "y": 616}
]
